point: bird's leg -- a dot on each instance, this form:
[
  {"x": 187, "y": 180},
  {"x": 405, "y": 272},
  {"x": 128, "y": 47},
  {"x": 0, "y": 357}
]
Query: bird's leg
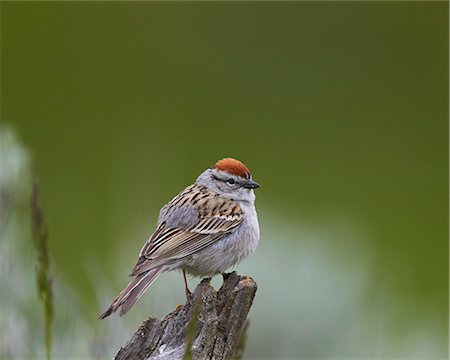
[{"x": 186, "y": 288}]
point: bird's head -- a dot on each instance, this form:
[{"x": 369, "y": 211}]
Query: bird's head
[{"x": 230, "y": 178}]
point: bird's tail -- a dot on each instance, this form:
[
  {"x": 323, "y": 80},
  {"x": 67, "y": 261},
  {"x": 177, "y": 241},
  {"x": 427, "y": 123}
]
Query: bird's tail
[{"x": 132, "y": 292}]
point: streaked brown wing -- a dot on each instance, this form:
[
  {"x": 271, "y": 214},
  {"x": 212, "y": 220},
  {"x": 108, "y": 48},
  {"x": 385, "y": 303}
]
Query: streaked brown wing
[
  {"x": 184, "y": 242},
  {"x": 149, "y": 243},
  {"x": 169, "y": 244}
]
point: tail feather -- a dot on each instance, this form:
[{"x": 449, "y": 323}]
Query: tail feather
[{"x": 132, "y": 292}]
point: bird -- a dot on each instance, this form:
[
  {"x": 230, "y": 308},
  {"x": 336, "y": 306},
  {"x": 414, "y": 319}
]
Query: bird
[{"x": 204, "y": 230}]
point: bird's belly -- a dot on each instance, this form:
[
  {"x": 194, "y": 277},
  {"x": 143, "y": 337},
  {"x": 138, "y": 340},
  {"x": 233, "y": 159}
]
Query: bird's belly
[{"x": 226, "y": 252}]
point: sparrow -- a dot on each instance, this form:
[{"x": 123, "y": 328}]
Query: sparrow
[{"x": 204, "y": 230}]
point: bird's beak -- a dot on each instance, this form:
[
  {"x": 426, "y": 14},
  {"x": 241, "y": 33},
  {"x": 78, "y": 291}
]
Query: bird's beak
[{"x": 251, "y": 184}]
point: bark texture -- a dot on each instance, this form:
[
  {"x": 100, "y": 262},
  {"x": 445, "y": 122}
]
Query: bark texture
[{"x": 211, "y": 321}]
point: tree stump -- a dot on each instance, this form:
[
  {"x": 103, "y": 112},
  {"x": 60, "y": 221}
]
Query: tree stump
[{"x": 208, "y": 326}]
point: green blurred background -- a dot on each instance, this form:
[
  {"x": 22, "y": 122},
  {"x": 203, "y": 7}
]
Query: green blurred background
[{"x": 339, "y": 109}]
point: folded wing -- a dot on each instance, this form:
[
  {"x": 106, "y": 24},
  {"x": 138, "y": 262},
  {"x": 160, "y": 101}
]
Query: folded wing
[{"x": 216, "y": 217}]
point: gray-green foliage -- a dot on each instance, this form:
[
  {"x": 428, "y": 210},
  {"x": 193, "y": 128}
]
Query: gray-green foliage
[{"x": 44, "y": 282}]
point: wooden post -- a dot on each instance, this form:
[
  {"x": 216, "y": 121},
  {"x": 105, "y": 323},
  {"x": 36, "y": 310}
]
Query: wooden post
[{"x": 212, "y": 322}]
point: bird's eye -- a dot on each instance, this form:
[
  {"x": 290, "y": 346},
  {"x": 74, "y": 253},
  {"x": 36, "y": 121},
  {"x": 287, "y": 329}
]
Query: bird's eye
[{"x": 230, "y": 181}]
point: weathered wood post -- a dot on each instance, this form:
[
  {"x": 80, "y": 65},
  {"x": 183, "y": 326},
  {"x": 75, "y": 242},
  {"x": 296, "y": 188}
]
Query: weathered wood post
[{"x": 211, "y": 321}]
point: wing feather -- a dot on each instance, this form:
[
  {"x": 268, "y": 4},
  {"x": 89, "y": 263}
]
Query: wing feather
[{"x": 217, "y": 216}]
